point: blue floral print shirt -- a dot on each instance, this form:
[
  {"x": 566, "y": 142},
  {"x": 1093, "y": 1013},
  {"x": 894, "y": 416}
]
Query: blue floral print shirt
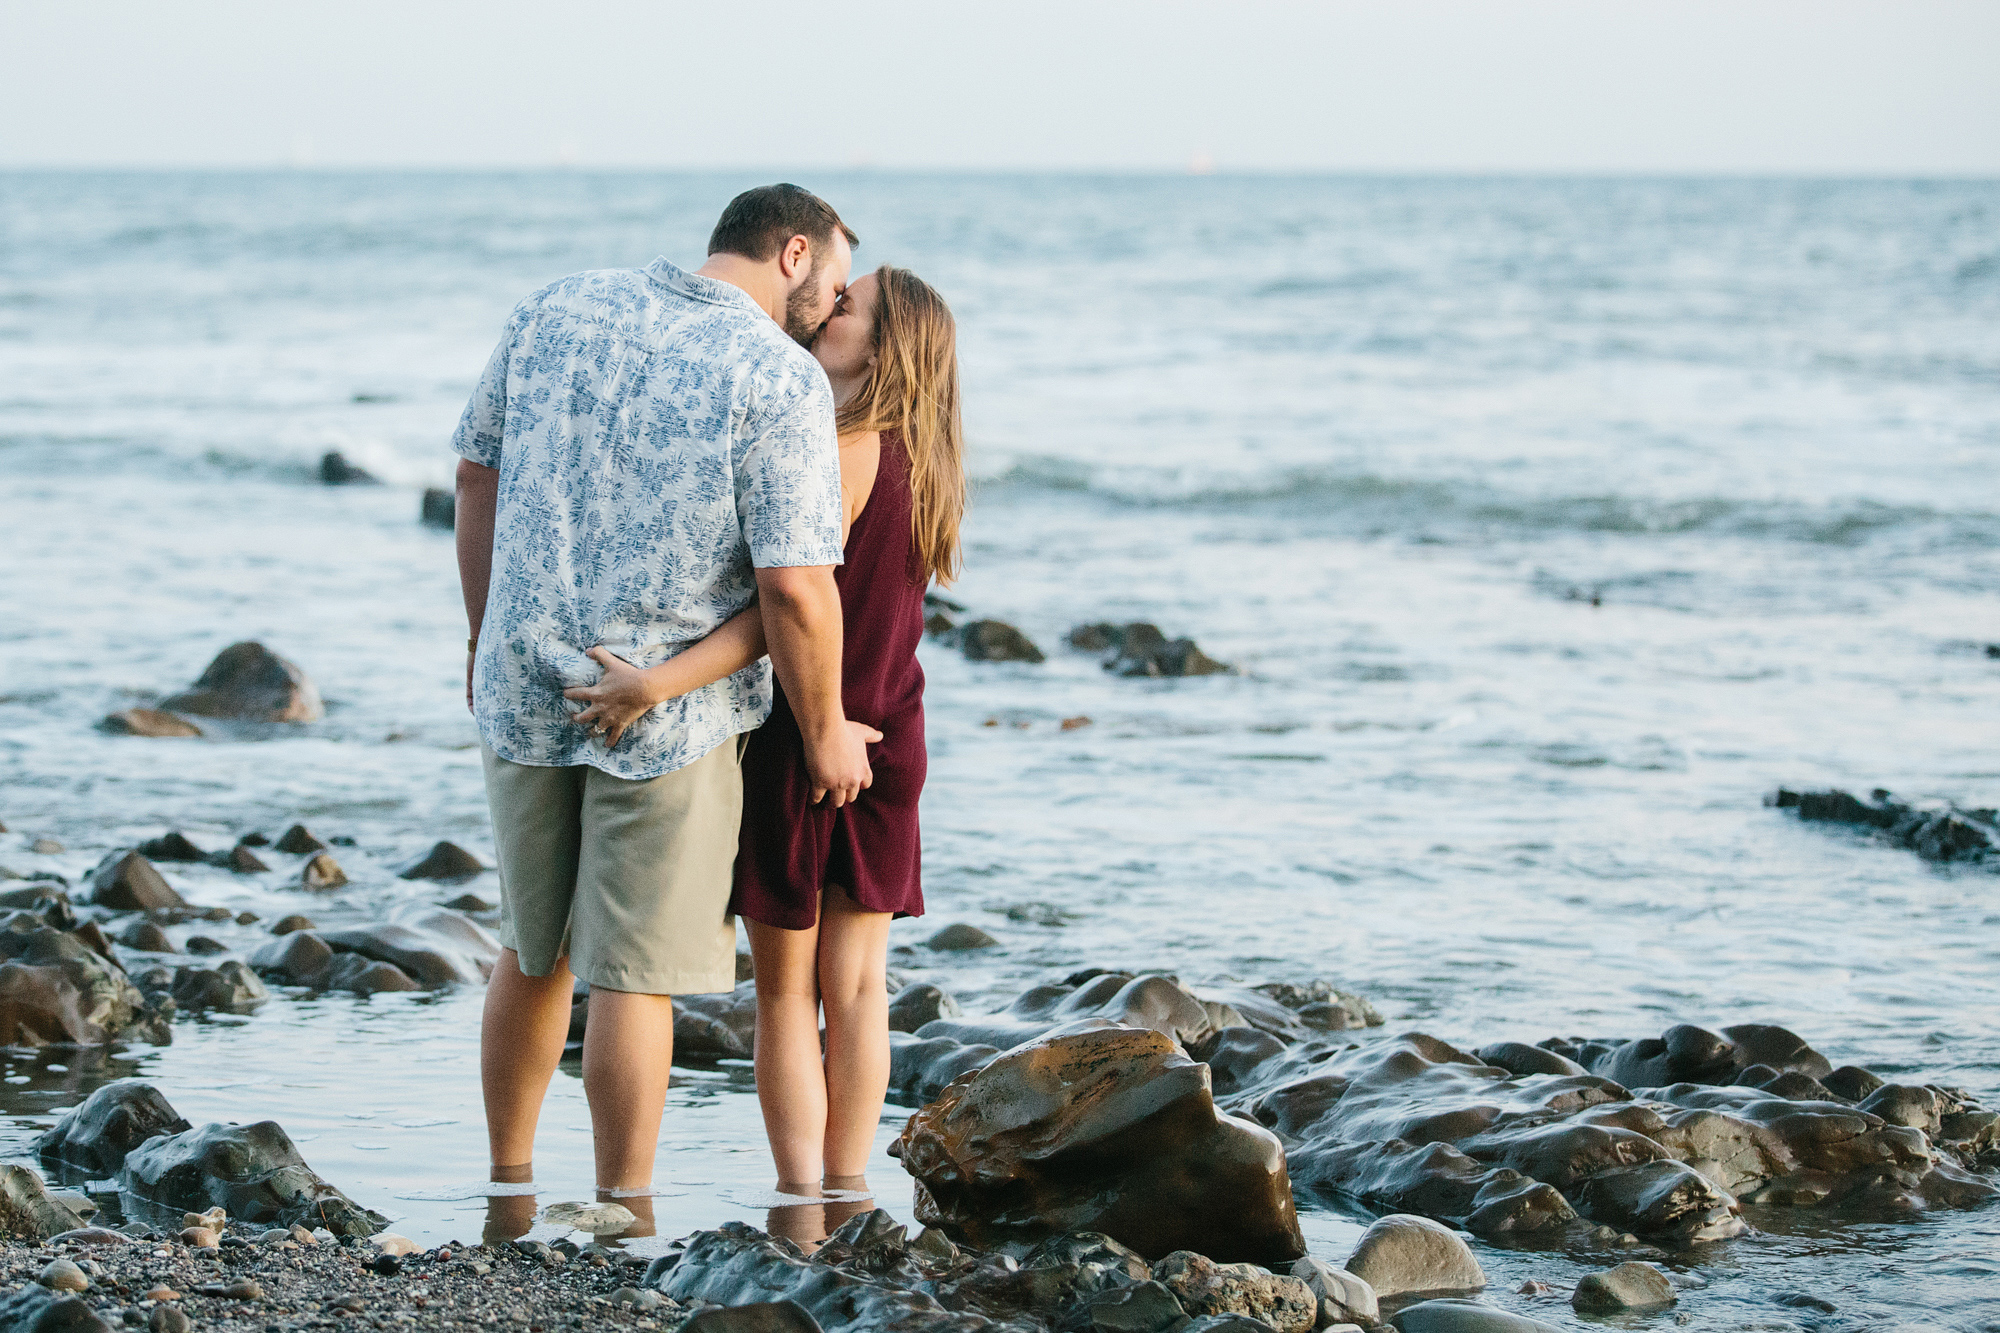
[{"x": 658, "y": 438}]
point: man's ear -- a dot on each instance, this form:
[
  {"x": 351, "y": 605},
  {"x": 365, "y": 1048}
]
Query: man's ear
[{"x": 795, "y": 258}]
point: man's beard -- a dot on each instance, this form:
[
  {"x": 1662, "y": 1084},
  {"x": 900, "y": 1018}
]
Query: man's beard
[{"x": 801, "y": 306}]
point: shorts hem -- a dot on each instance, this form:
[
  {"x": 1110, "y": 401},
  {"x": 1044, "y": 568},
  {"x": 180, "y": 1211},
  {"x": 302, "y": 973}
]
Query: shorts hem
[{"x": 682, "y": 982}]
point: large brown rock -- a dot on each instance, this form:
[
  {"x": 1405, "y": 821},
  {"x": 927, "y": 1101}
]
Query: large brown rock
[
  {"x": 27, "y": 1208},
  {"x": 128, "y": 882},
  {"x": 1107, "y": 1129},
  {"x": 248, "y": 682},
  {"x": 58, "y": 987}
]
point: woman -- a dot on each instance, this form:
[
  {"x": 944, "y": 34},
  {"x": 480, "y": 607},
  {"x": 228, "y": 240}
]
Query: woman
[{"x": 818, "y": 886}]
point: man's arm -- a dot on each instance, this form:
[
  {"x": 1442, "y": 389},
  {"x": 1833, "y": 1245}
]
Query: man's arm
[
  {"x": 801, "y": 607},
  {"x": 478, "y": 496}
]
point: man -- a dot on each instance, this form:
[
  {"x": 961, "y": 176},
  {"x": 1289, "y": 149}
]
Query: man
[{"x": 647, "y": 450}]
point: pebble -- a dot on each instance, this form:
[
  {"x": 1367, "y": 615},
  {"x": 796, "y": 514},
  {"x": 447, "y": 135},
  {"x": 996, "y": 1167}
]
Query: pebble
[
  {"x": 62, "y": 1275},
  {"x": 214, "y": 1219},
  {"x": 644, "y": 1300},
  {"x": 275, "y": 1236},
  {"x": 596, "y": 1218},
  {"x": 388, "y": 1242},
  {"x": 388, "y": 1265},
  {"x": 243, "y": 1289},
  {"x": 1532, "y": 1287},
  {"x": 169, "y": 1319},
  {"x": 163, "y": 1292},
  {"x": 201, "y": 1238},
  {"x": 1626, "y": 1287},
  {"x": 304, "y": 1237},
  {"x": 45, "y": 847}
]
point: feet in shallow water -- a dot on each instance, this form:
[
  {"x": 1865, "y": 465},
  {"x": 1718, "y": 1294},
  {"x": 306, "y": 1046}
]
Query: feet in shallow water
[
  {"x": 508, "y": 1217},
  {"x": 640, "y": 1205},
  {"x": 855, "y": 1199},
  {"x": 803, "y": 1224}
]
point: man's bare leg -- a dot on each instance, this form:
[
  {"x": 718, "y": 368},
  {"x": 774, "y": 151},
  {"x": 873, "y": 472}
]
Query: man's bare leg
[
  {"x": 853, "y": 962},
  {"x": 521, "y": 1034},
  {"x": 628, "y": 1049}
]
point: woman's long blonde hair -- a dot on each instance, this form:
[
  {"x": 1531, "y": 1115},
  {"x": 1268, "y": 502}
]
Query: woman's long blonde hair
[{"x": 914, "y": 390}]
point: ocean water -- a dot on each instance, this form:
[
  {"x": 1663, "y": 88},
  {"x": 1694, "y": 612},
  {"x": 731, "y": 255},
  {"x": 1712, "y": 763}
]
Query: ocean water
[{"x": 1551, "y": 523}]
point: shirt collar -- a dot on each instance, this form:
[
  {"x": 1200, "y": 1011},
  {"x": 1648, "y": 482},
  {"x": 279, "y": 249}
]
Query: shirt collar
[{"x": 713, "y": 290}]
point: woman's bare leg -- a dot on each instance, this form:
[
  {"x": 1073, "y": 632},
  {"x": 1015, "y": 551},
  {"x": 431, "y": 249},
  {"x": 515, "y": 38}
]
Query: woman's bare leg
[
  {"x": 791, "y": 1083},
  {"x": 853, "y": 961}
]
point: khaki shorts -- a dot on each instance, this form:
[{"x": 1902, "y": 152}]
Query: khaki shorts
[{"x": 629, "y": 879}]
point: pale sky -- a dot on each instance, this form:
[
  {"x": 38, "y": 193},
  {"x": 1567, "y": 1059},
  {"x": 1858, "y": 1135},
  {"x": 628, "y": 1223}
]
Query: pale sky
[{"x": 1899, "y": 87}]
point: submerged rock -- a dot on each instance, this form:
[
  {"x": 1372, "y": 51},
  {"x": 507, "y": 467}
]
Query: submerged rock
[
  {"x": 1106, "y": 1129},
  {"x": 174, "y": 846},
  {"x": 1140, "y": 649},
  {"x": 1463, "y": 1316},
  {"x": 919, "y": 1003},
  {"x": 335, "y": 470},
  {"x": 229, "y": 985},
  {"x": 250, "y": 683},
  {"x": 321, "y": 874},
  {"x": 438, "y": 948},
  {"x": 1343, "y": 1297},
  {"x": 147, "y": 722},
  {"x": 438, "y": 509},
  {"x": 58, "y": 984},
  {"x": 128, "y": 882},
  {"x": 251, "y": 1171},
  {"x": 445, "y": 861},
  {"x": 996, "y": 641},
  {"x": 1627, "y": 1287},
  {"x": 717, "y": 1027},
  {"x": 116, "y": 1118},
  {"x": 298, "y": 840},
  {"x": 28, "y": 1209},
  {"x": 960, "y": 936},
  {"x": 1949, "y": 833}
]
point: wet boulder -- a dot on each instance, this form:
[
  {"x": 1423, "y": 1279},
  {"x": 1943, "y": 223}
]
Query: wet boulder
[
  {"x": 1204, "y": 1287},
  {"x": 228, "y": 986},
  {"x": 127, "y": 882},
  {"x": 1632, "y": 1286},
  {"x": 919, "y": 1003},
  {"x": 59, "y": 986},
  {"x": 321, "y": 874},
  {"x": 28, "y": 1209},
  {"x": 1665, "y": 1199},
  {"x": 1152, "y": 1001},
  {"x": 1343, "y": 1297},
  {"x": 175, "y": 846},
  {"x": 996, "y": 641},
  {"x": 446, "y": 861},
  {"x": 1140, "y": 649},
  {"x": 250, "y": 683},
  {"x": 1402, "y": 1253},
  {"x": 298, "y": 840},
  {"x": 736, "y": 1265},
  {"x": 717, "y": 1027},
  {"x": 920, "y": 1069},
  {"x": 439, "y": 948},
  {"x": 368, "y": 976},
  {"x": 335, "y": 470},
  {"x": 147, "y": 722},
  {"x": 243, "y": 861},
  {"x": 1945, "y": 834},
  {"x": 438, "y": 509},
  {"x": 1322, "y": 1006},
  {"x": 960, "y": 936},
  {"x": 1110, "y": 1130},
  {"x": 98, "y": 1133},
  {"x": 1464, "y": 1316},
  {"x": 147, "y": 937},
  {"x": 298, "y": 958},
  {"x": 253, "y": 1172}
]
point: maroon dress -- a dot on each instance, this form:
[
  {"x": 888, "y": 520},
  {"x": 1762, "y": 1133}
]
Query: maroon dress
[{"x": 791, "y": 849}]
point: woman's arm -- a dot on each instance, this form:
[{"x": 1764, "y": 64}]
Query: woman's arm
[{"x": 624, "y": 693}]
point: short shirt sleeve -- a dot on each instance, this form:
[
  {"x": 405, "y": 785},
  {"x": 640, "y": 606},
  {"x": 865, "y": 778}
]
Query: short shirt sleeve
[
  {"x": 788, "y": 481},
  {"x": 483, "y": 426}
]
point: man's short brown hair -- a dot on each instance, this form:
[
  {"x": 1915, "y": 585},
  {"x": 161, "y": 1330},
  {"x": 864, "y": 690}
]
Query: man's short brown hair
[{"x": 758, "y": 222}]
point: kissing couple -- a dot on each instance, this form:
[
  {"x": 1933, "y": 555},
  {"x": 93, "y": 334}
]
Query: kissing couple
[{"x": 673, "y": 487}]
